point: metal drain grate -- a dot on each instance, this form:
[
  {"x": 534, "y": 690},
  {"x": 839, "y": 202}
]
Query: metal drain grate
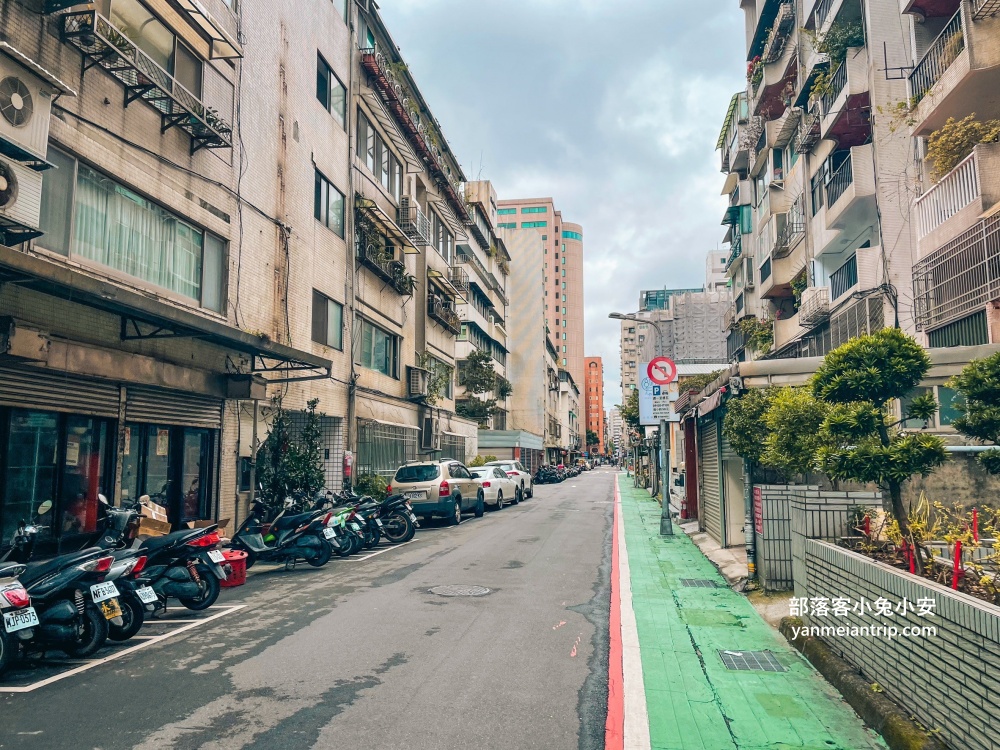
[
  {"x": 747, "y": 661},
  {"x": 699, "y": 583},
  {"x": 460, "y": 590}
]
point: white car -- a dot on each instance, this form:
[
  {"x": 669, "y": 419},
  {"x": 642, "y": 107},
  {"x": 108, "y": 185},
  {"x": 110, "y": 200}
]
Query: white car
[
  {"x": 517, "y": 472},
  {"x": 495, "y": 487}
]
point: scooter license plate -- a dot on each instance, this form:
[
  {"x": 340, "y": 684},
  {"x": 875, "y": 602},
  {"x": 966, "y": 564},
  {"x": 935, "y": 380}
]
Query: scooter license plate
[
  {"x": 413, "y": 517},
  {"x": 329, "y": 533},
  {"x": 378, "y": 522},
  {"x": 146, "y": 595},
  {"x": 355, "y": 526},
  {"x": 19, "y": 620},
  {"x": 101, "y": 592},
  {"x": 111, "y": 609},
  {"x": 215, "y": 556}
]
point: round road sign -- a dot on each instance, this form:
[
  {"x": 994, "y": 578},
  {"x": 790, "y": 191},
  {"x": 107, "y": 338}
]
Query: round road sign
[{"x": 662, "y": 371}]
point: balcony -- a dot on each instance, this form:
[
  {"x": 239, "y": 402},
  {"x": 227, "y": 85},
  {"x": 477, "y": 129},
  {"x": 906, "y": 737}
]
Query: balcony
[
  {"x": 780, "y": 255},
  {"x": 960, "y": 278},
  {"x": 103, "y": 45},
  {"x": 395, "y": 97},
  {"x": 769, "y": 98},
  {"x": 786, "y": 330},
  {"x": 379, "y": 261},
  {"x": 960, "y": 72},
  {"x": 808, "y": 134},
  {"x": 814, "y": 307},
  {"x": 850, "y": 191},
  {"x": 781, "y": 29},
  {"x": 735, "y": 156},
  {"x": 846, "y": 105},
  {"x": 845, "y": 278},
  {"x": 441, "y": 310},
  {"x": 729, "y": 318},
  {"x": 459, "y": 279},
  {"x": 414, "y": 222},
  {"x": 956, "y": 202},
  {"x": 735, "y": 247}
]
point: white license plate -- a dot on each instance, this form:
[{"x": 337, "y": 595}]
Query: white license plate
[
  {"x": 416, "y": 495},
  {"x": 19, "y": 620},
  {"x": 215, "y": 556},
  {"x": 329, "y": 533},
  {"x": 100, "y": 592},
  {"x": 146, "y": 595},
  {"x": 413, "y": 518},
  {"x": 355, "y": 526},
  {"x": 378, "y": 522}
]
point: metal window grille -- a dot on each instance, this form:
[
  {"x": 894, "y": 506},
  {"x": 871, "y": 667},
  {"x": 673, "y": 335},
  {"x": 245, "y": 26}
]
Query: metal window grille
[
  {"x": 331, "y": 445},
  {"x": 840, "y": 181},
  {"x": 454, "y": 446},
  {"x": 969, "y": 331},
  {"x": 960, "y": 278},
  {"x": 383, "y": 448},
  {"x": 844, "y": 277}
]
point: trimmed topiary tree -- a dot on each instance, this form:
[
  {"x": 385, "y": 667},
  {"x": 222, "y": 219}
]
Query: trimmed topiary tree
[{"x": 979, "y": 387}]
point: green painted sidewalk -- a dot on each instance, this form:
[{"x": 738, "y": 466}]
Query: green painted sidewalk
[{"x": 694, "y": 701}]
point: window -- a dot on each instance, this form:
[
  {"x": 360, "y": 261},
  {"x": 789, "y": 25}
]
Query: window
[
  {"x": 572, "y": 236},
  {"x": 327, "y": 321},
  {"x": 330, "y": 91},
  {"x": 329, "y": 205},
  {"x": 442, "y": 238},
  {"x": 533, "y": 224},
  {"x": 564, "y": 260},
  {"x": 376, "y": 349},
  {"x": 816, "y": 191},
  {"x": 506, "y": 211},
  {"x": 340, "y": 5},
  {"x": 374, "y": 151},
  {"x": 545, "y": 237},
  {"x": 508, "y": 225},
  {"x": 112, "y": 226},
  {"x": 535, "y": 210},
  {"x": 447, "y": 372}
]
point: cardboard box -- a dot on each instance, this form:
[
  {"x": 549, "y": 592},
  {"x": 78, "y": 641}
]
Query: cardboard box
[
  {"x": 154, "y": 511},
  {"x": 152, "y": 527},
  {"x": 223, "y": 524}
]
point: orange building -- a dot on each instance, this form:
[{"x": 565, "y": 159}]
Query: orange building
[{"x": 594, "y": 386}]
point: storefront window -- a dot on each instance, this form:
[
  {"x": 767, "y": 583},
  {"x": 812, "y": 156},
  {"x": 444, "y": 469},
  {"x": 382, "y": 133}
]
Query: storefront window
[
  {"x": 82, "y": 474},
  {"x": 31, "y": 467},
  {"x": 193, "y": 471}
]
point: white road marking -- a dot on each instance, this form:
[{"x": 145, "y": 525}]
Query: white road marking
[
  {"x": 633, "y": 688},
  {"x": 383, "y": 551},
  {"x": 148, "y": 641}
]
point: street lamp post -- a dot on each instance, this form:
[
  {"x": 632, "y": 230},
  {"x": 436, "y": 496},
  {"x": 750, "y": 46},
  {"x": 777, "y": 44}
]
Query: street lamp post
[{"x": 666, "y": 523}]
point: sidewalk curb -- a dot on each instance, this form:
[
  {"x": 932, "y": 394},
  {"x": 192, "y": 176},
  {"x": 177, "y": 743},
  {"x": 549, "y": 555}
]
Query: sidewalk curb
[{"x": 898, "y": 730}]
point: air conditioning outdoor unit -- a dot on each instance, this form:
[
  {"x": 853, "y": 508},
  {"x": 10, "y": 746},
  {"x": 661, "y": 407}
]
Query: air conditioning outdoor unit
[
  {"x": 430, "y": 434},
  {"x": 20, "y": 196},
  {"x": 419, "y": 382},
  {"x": 25, "y": 104}
]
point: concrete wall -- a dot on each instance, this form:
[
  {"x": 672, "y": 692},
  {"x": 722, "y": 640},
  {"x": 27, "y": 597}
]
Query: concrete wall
[{"x": 948, "y": 681}]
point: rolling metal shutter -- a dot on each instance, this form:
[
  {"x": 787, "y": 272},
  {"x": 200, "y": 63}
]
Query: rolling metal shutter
[
  {"x": 153, "y": 406},
  {"x": 46, "y": 390},
  {"x": 710, "y": 502}
]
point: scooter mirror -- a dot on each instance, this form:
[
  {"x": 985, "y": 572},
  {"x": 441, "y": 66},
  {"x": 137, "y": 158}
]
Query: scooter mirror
[
  {"x": 44, "y": 508},
  {"x": 102, "y": 499}
]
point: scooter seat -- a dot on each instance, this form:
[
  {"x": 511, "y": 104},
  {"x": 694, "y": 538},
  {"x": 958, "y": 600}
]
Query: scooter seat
[
  {"x": 156, "y": 543},
  {"x": 9, "y": 569},
  {"x": 293, "y": 522},
  {"x": 38, "y": 570}
]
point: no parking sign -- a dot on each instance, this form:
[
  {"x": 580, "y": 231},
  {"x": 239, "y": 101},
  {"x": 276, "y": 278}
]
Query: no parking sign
[{"x": 655, "y": 393}]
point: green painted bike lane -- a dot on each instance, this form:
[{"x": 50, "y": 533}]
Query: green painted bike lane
[{"x": 694, "y": 702}]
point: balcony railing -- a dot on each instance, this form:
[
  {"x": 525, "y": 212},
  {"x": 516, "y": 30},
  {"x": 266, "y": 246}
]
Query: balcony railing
[
  {"x": 729, "y": 318},
  {"x": 105, "y": 46},
  {"x": 735, "y": 247},
  {"x": 414, "y": 222},
  {"x": 960, "y": 278},
  {"x": 984, "y": 9},
  {"x": 394, "y": 94},
  {"x": 955, "y": 191},
  {"x": 777, "y": 38},
  {"x": 373, "y": 254},
  {"x": 815, "y": 306},
  {"x": 844, "y": 278},
  {"x": 940, "y": 55},
  {"x": 837, "y": 84},
  {"x": 793, "y": 230},
  {"x": 442, "y": 311},
  {"x": 840, "y": 181},
  {"x": 822, "y": 12},
  {"x": 459, "y": 279}
]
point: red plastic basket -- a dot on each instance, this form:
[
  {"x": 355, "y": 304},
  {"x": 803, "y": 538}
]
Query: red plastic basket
[{"x": 237, "y": 561}]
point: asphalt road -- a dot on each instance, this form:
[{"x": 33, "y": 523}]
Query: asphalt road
[{"x": 361, "y": 655}]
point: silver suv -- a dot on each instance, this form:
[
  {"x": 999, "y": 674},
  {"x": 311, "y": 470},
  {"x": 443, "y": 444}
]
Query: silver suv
[{"x": 443, "y": 488}]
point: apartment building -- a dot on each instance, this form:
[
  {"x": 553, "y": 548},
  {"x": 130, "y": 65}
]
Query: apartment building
[
  {"x": 562, "y": 248},
  {"x": 130, "y": 324},
  {"x": 571, "y": 427},
  {"x": 955, "y": 74},
  {"x": 484, "y": 259},
  {"x": 593, "y": 388},
  {"x": 818, "y": 176},
  {"x": 616, "y": 429}
]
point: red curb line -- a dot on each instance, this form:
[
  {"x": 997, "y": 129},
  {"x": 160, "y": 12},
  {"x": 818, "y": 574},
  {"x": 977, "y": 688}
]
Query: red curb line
[{"x": 614, "y": 728}]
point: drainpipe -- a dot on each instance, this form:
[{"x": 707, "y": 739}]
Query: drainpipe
[
  {"x": 969, "y": 448},
  {"x": 749, "y": 528}
]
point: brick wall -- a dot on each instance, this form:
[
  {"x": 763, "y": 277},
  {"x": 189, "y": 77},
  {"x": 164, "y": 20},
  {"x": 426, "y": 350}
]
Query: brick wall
[{"x": 949, "y": 681}]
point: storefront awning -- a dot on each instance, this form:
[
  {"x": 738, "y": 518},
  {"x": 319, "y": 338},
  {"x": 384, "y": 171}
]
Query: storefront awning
[{"x": 144, "y": 317}]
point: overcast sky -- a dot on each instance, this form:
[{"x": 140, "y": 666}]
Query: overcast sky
[{"x": 611, "y": 108}]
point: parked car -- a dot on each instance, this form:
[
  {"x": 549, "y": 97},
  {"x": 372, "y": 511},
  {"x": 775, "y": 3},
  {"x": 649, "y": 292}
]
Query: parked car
[
  {"x": 495, "y": 487},
  {"x": 443, "y": 489},
  {"x": 516, "y": 471}
]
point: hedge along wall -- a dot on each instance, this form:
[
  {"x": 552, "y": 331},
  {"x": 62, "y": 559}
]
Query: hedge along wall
[{"x": 949, "y": 681}]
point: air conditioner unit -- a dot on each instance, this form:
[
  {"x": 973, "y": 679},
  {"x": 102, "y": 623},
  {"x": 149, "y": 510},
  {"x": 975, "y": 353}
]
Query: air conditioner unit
[
  {"x": 430, "y": 434},
  {"x": 748, "y": 273},
  {"x": 25, "y": 104},
  {"x": 20, "y": 200},
  {"x": 419, "y": 380}
]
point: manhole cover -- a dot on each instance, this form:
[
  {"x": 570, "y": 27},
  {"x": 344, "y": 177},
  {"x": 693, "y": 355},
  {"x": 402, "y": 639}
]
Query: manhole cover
[
  {"x": 746, "y": 661},
  {"x": 699, "y": 583},
  {"x": 460, "y": 590}
]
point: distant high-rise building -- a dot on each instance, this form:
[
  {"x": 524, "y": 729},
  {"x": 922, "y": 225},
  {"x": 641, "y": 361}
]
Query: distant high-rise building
[
  {"x": 563, "y": 273},
  {"x": 594, "y": 399}
]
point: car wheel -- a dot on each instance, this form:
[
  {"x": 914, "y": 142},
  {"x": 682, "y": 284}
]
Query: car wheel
[
  {"x": 480, "y": 507},
  {"x": 531, "y": 489},
  {"x": 456, "y": 513},
  {"x": 499, "y": 502}
]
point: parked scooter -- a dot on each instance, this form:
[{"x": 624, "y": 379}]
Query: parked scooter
[
  {"x": 289, "y": 537},
  {"x": 19, "y": 617}
]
